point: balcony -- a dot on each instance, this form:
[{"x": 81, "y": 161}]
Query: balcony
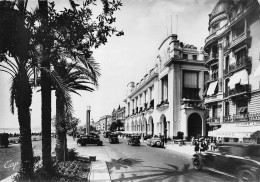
[
  {"x": 214, "y": 121},
  {"x": 244, "y": 62},
  {"x": 141, "y": 110},
  {"x": 211, "y": 59},
  {"x": 242, "y": 117},
  {"x": 213, "y": 98},
  {"x": 151, "y": 104},
  {"x": 239, "y": 90},
  {"x": 191, "y": 93},
  {"x": 213, "y": 77},
  {"x": 242, "y": 38},
  {"x": 163, "y": 104}
]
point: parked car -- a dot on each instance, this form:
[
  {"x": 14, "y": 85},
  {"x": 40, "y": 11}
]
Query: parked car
[
  {"x": 241, "y": 161},
  {"x": 89, "y": 139},
  {"x": 106, "y": 134},
  {"x": 155, "y": 142},
  {"x": 4, "y": 139},
  {"x": 113, "y": 138},
  {"x": 134, "y": 140}
]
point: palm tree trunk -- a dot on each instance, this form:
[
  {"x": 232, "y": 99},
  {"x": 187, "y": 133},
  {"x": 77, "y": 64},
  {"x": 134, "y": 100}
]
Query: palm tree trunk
[
  {"x": 23, "y": 102},
  {"x": 46, "y": 95},
  {"x": 26, "y": 142},
  {"x": 61, "y": 140}
]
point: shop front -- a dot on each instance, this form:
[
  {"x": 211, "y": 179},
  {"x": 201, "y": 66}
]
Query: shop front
[{"x": 236, "y": 132}]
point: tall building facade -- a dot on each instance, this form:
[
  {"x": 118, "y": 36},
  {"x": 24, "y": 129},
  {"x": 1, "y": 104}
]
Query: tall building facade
[
  {"x": 119, "y": 115},
  {"x": 169, "y": 98},
  {"x": 233, "y": 90},
  {"x": 105, "y": 122}
]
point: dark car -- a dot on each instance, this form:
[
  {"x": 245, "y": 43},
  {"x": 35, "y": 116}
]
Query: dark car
[
  {"x": 89, "y": 139},
  {"x": 241, "y": 161},
  {"x": 113, "y": 138},
  {"x": 4, "y": 139},
  {"x": 155, "y": 142},
  {"x": 134, "y": 140}
]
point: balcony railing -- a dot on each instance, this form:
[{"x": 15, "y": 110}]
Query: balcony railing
[
  {"x": 163, "y": 103},
  {"x": 213, "y": 77},
  {"x": 214, "y": 120},
  {"x": 191, "y": 93},
  {"x": 211, "y": 59},
  {"x": 243, "y": 62},
  {"x": 242, "y": 117},
  {"x": 239, "y": 89}
]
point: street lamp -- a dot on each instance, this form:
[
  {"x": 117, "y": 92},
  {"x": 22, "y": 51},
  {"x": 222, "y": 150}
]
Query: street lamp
[{"x": 88, "y": 120}]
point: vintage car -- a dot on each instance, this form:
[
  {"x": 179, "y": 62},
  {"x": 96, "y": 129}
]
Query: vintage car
[
  {"x": 134, "y": 140},
  {"x": 155, "y": 142},
  {"x": 4, "y": 139},
  {"x": 89, "y": 139},
  {"x": 113, "y": 138},
  {"x": 237, "y": 160}
]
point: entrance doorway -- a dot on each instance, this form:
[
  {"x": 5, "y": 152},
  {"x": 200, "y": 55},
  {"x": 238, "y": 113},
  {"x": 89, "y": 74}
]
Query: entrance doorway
[
  {"x": 194, "y": 125},
  {"x": 151, "y": 126},
  {"x": 163, "y": 129}
]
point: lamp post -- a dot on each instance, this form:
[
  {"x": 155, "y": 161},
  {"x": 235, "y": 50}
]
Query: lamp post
[{"x": 88, "y": 120}]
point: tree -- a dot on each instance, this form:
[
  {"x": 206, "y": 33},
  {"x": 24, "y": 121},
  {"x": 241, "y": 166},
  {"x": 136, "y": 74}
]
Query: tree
[
  {"x": 116, "y": 125},
  {"x": 71, "y": 32},
  {"x": 14, "y": 42},
  {"x": 75, "y": 77}
]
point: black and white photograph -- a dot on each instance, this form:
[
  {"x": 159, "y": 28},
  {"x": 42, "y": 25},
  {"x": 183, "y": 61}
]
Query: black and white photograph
[{"x": 130, "y": 90}]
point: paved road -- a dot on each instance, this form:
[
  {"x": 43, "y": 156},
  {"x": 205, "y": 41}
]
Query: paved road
[
  {"x": 144, "y": 163},
  {"x": 10, "y": 158},
  {"x": 125, "y": 163}
]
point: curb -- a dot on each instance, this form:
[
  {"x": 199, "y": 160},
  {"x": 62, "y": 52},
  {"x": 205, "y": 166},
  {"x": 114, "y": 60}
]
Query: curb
[{"x": 99, "y": 172}]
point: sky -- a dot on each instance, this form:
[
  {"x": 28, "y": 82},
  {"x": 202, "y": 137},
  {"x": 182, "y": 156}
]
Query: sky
[{"x": 146, "y": 23}]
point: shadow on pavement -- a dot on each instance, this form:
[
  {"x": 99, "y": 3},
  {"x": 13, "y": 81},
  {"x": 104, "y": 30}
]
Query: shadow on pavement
[
  {"x": 150, "y": 173},
  {"x": 122, "y": 163}
]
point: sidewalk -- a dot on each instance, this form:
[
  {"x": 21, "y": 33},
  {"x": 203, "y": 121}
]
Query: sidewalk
[
  {"x": 98, "y": 170},
  {"x": 184, "y": 149}
]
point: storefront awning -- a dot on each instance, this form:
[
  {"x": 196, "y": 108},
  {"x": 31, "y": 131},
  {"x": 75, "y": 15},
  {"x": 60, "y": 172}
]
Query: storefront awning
[
  {"x": 212, "y": 87},
  {"x": 234, "y": 131},
  {"x": 239, "y": 77}
]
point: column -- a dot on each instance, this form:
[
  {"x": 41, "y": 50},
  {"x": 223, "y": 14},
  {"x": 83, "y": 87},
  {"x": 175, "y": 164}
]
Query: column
[
  {"x": 88, "y": 120},
  {"x": 220, "y": 66}
]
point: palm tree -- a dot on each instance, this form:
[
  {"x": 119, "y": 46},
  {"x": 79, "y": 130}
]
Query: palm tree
[
  {"x": 76, "y": 77},
  {"x": 15, "y": 43}
]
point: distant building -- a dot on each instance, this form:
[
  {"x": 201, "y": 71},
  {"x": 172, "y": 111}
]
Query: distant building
[
  {"x": 118, "y": 114},
  {"x": 169, "y": 98},
  {"x": 105, "y": 122},
  {"x": 233, "y": 90},
  {"x": 97, "y": 126}
]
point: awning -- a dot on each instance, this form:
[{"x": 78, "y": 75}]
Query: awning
[
  {"x": 234, "y": 131},
  {"x": 239, "y": 77},
  {"x": 257, "y": 71},
  {"x": 212, "y": 87}
]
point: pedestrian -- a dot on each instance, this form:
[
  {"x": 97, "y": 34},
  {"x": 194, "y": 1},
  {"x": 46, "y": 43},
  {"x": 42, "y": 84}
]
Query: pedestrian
[
  {"x": 192, "y": 140},
  {"x": 203, "y": 146},
  {"x": 197, "y": 146}
]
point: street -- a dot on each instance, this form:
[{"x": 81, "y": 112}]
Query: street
[
  {"x": 145, "y": 163},
  {"x": 125, "y": 162}
]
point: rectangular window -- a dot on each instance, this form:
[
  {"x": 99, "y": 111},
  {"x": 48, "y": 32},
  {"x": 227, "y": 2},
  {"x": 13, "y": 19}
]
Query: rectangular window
[
  {"x": 128, "y": 106},
  {"x": 194, "y": 57},
  {"x": 151, "y": 93},
  {"x": 190, "y": 79},
  {"x": 164, "y": 90},
  {"x": 242, "y": 105},
  {"x": 185, "y": 56},
  {"x": 140, "y": 100}
]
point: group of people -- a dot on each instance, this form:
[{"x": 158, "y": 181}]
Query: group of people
[{"x": 203, "y": 145}]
